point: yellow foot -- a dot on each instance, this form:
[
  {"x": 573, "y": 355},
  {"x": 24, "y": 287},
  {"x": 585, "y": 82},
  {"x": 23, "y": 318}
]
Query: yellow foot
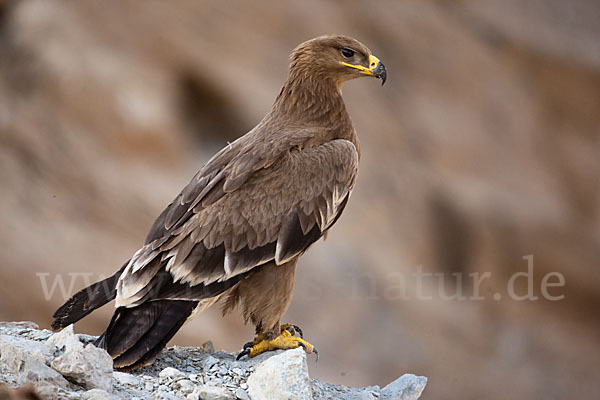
[{"x": 286, "y": 340}]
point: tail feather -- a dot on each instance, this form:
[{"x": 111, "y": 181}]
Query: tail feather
[
  {"x": 86, "y": 300},
  {"x": 136, "y": 335}
]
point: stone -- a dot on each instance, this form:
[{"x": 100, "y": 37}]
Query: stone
[
  {"x": 88, "y": 366},
  {"x": 282, "y": 376},
  {"x": 26, "y": 359},
  {"x": 186, "y": 386},
  {"x": 126, "y": 379},
  {"x": 206, "y": 392},
  {"x": 407, "y": 387},
  {"x": 165, "y": 396},
  {"x": 209, "y": 362},
  {"x": 41, "y": 335},
  {"x": 241, "y": 394},
  {"x": 96, "y": 394},
  {"x": 171, "y": 373},
  {"x": 47, "y": 391},
  {"x": 208, "y": 347},
  {"x": 19, "y": 325}
]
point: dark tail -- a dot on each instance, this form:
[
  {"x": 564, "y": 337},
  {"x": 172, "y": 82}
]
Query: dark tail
[
  {"x": 86, "y": 300},
  {"x": 136, "y": 335}
]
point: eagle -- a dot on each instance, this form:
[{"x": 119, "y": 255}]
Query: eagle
[{"x": 235, "y": 232}]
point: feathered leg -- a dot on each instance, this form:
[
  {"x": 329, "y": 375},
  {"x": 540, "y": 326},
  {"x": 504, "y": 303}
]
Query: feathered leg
[{"x": 264, "y": 297}]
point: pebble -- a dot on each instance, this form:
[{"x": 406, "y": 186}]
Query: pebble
[
  {"x": 171, "y": 373},
  {"x": 209, "y": 362},
  {"x": 96, "y": 394},
  {"x": 241, "y": 394},
  {"x": 126, "y": 379},
  {"x": 185, "y": 386}
]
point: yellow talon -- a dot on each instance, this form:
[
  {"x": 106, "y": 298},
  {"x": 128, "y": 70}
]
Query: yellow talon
[
  {"x": 283, "y": 341},
  {"x": 286, "y": 340}
]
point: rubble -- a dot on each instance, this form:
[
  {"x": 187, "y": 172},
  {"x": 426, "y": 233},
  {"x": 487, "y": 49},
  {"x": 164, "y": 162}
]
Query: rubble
[{"x": 64, "y": 365}]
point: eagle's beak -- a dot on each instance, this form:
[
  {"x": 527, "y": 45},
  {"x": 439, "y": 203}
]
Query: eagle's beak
[{"x": 376, "y": 68}]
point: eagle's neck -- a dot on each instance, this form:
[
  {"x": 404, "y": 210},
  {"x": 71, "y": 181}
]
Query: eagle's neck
[{"x": 314, "y": 100}]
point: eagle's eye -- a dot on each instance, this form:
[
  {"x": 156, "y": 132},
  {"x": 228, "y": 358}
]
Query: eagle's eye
[{"x": 347, "y": 53}]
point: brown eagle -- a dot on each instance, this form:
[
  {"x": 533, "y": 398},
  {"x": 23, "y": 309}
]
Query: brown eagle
[{"x": 236, "y": 231}]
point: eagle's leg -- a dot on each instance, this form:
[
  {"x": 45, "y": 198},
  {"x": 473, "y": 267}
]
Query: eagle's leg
[{"x": 264, "y": 297}]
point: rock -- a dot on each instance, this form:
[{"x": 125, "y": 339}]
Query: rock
[
  {"x": 241, "y": 394},
  {"x": 96, "y": 394},
  {"x": 407, "y": 387},
  {"x": 47, "y": 391},
  {"x": 186, "y": 386},
  {"x": 126, "y": 379},
  {"x": 282, "y": 376},
  {"x": 208, "y": 347},
  {"x": 171, "y": 373},
  {"x": 209, "y": 362},
  {"x": 164, "y": 396},
  {"x": 206, "y": 392},
  {"x": 88, "y": 366},
  {"x": 19, "y": 325},
  {"x": 26, "y": 359}
]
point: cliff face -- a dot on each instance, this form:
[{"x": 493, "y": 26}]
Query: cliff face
[{"x": 481, "y": 149}]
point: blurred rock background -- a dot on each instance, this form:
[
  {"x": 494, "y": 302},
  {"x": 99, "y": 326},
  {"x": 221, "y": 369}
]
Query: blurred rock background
[{"x": 482, "y": 148}]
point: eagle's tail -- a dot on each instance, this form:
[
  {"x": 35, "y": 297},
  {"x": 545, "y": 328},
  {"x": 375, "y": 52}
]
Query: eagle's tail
[
  {"x": 136, "y": 335},
  {"x": 86, "y": 300}
]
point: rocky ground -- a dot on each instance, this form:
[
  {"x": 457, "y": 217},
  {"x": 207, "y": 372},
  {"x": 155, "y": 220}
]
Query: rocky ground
[{"x": 66, "y": 365}]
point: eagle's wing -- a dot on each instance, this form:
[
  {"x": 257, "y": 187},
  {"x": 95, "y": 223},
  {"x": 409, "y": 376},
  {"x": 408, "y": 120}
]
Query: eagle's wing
[{"x": 231, "y": 218}]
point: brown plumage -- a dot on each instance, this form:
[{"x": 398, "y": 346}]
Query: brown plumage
[{"x": 237, "y": 229}]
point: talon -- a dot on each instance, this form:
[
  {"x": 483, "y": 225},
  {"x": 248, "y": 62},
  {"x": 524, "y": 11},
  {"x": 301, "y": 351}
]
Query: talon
[
  {"x": 291, "y": 337},
  {"x": 298, "y": 330},
  {"x": 244, "y": 352},
  {"x": 292, "y": 329},
  {"x": 316, "y": 353}
]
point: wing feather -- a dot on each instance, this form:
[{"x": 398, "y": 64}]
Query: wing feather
[{"x": 248, "y": 211}]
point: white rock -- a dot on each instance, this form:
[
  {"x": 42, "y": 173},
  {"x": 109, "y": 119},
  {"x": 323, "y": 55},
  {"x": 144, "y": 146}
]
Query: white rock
[
  {"x": 209, "y": 362},
  {"x": 186, "y": 386},
  {"x": 171, "y": 373},
  {"x": 283, "y": 376},
  {"x": 165, "y": 396},
  {"x": 206, "y": 392},
  {"x": 241, "y": 394},
  {"x": 26, "y": 359},
  {"x": 126, "y": 379},
  {"x": 407, "y": 387},
  {"x": 96, "y": 394},
  {"x": 89, "y": 366},
  {"x": 19, "y": 325}
]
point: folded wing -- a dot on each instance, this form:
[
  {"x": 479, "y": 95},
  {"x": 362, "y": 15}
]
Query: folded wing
[{"x": 239, "y": 212}]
